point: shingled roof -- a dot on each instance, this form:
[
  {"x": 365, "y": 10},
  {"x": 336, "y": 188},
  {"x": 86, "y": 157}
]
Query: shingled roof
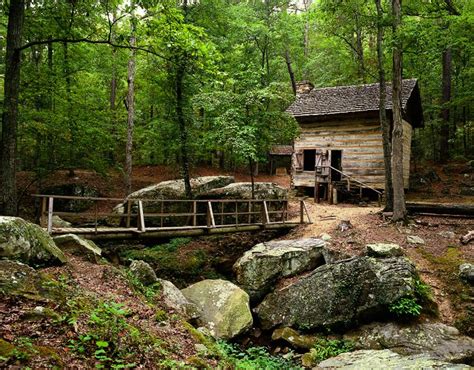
[{"x": 341, "y": 100}]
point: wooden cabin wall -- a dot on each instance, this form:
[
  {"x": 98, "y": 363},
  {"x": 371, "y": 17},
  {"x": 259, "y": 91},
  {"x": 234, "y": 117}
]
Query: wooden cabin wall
[{"x": 361, "y": 143}]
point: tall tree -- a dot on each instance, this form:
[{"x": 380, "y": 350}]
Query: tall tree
[
  {"x": 384, "y": 122},
  {"x": 399, "y": 208},
  {"x": 8, "y": 195},
  {"x": 130, "y": 104}
]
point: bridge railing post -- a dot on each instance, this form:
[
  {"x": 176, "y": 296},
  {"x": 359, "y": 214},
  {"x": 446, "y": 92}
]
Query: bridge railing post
[
  {"x": 129, "y": 211},
  {"x": 141, "y": 217},
  {"x": 50, "y": 214},
  {"x": 210, "y": 216}
]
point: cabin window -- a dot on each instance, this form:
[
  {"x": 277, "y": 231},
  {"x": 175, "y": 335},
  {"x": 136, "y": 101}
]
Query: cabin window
[
  {"x": 336, "y": 162},
  {"x": 309, "y": 159}
]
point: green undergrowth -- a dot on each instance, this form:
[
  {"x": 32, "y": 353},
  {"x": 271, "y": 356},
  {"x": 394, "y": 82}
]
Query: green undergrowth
[
  {"x": 253, "y": 358},
  {"x": 412, "y": 305},
  {"x": 326, "y": 348}
]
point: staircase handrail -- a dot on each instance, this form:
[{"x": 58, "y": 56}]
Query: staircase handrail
[{"x": 355, "y": 180}]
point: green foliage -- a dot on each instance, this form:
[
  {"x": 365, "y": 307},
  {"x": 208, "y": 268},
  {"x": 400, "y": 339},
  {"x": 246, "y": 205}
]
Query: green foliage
[
  {"x": 406, "y": 306},
  {"x": 111, "y": 341},
  {"x": 412, "y": 305},
  {"x": 326, "y": 348},
  {"x": 253, "y": 358}
]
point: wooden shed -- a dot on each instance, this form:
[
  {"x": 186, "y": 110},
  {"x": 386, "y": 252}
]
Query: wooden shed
[{"x": 341, "y": 137}]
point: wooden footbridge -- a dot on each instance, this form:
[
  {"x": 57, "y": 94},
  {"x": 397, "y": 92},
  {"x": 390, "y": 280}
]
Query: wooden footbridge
[{"x": 151, "y": 218}]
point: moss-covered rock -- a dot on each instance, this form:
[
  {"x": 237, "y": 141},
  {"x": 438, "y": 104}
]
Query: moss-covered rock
[
  {"x": 294, "y": 338},
  {"x": 28, "y": 243},
  {"x": 339, "y": 294},
  {"x": 385, "y": 359},
  {"x": 223, "y": 307},
  {"x": 18, "y": 279},
  {"x": 435, "y": 339},
  {"x": 143, "y": 272}
]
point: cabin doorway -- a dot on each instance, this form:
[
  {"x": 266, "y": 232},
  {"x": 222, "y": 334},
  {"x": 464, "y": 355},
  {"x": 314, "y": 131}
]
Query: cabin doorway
[
  {"x": 309, "y": 159},
  {"x": 336, "y": 162}
]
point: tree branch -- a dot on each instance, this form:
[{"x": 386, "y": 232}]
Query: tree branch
[{"x": 89, "y": 41}]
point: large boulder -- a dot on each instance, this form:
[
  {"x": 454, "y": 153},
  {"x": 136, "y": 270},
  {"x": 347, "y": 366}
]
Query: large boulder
[
  {"x": 76, "y": 245},
  {"x": 174, "y": 189},
  {"x": 175, "y": 299},
  {"x": 243, "y": 190},
  {"x": 28, "y": 243},
  {"x": 223, "y": 307},
  {"x": 260, "y": 267},
  {"x": 170, "y": 190},
  {"x": 434, "y": 339},
  {"x": 385, "y": 359},
  {"x": 340, "y": 294}
]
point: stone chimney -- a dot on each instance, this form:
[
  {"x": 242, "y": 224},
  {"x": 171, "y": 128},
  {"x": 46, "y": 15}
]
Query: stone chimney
[{"x": 304, "y": 87}]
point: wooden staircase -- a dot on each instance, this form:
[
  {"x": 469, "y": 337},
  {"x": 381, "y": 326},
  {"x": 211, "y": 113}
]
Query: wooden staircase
[{"x": 348, "y": 187}]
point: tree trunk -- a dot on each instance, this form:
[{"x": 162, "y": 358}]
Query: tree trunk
[
  {"x": 384, "y": 122},
  {"x": 8, "y": 196},
  {"x": 131, "y": 110},
  {"x": 445, "y": 111},
  {"x": 182, "y": 128},
  {"x": 252, "y": 177},
  {"x": 290, "y": 71},
  {"x": 113, "y": 99},
  {"x": 399, "y": 208}
]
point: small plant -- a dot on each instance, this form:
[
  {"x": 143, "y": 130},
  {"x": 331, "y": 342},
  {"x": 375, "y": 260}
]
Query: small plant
[
  {"x": 406, "y": 306},
  {"x": 253, "y": 358},
  {"x": 326, "y": 348}
]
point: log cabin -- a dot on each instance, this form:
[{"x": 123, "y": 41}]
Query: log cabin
[{"x": 340, "y": 141}]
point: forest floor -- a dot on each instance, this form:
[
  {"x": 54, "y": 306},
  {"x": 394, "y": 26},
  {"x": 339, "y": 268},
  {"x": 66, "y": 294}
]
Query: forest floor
[{"x": 438, "y": 259}]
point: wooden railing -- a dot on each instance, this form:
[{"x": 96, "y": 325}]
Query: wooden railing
[
  {"x": 349, "y": 178},
  {"x": 151, "y": 214}
]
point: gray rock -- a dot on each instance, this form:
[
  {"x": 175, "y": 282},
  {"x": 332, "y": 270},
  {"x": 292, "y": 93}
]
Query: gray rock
[
  {"x": 78, "y": 246},
  {"x": 243, "y": 190},
  {"x": 174, "y": 189},
  {"x": 447, "y": 234},
  {"x": 436, "y": 340},
  {"x": 143, "y": 272},
  {"x": 466, "y": 272},
  {"x": 325, "y": 237},
  {"x": 223, "y": 307},
  {"x": 383, "y": 250},
  {"x": 175, "y": 299},
  {"x": 59, "y": 222},
  {"x": 260, "y": 267},
  {"x": 339, "y": 294},
  {"x": 28, "y": 243},
  {"x": 385, "y": 359},
  {"x": 413, "y": 239}
]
